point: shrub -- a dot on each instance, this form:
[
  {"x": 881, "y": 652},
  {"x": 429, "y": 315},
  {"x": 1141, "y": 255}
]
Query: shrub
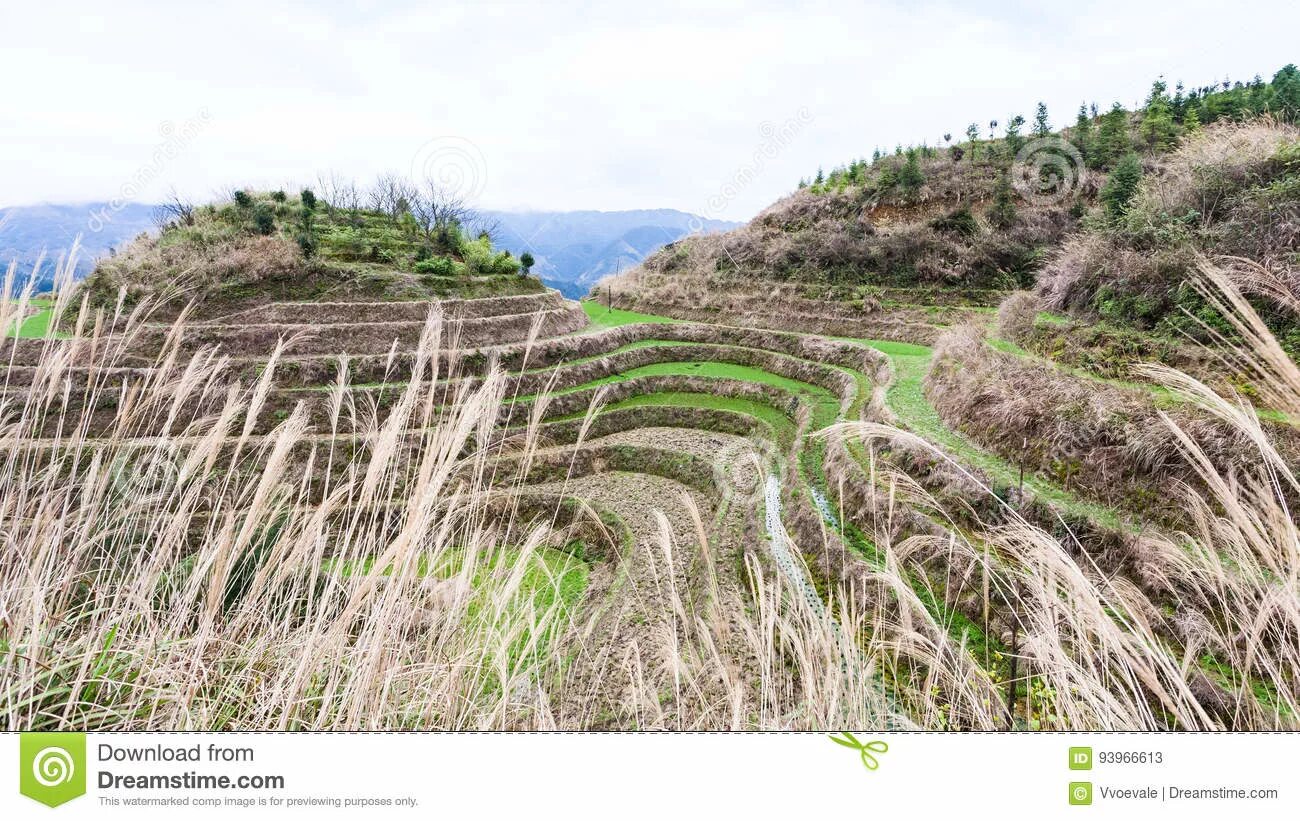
[
  {"x": 526, "y": 260},
  {"x": 505, "y": 263},
  {"x": 1121, "y": 186},
  {"x": 307, "y": 244},
  {"x": 263, "y": 220},
  {"x": 308, "y": 199},
  {"x": 437, "y": 266},
  {"x": 961, "y": 222},
  {"x": 242, "y": 199},
  {"x": 278, "y": 196},
  {"x": 1016, "y": 316}
]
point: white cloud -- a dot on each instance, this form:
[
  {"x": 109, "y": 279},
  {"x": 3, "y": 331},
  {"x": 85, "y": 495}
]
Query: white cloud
[{"x": 599, "y": 105}]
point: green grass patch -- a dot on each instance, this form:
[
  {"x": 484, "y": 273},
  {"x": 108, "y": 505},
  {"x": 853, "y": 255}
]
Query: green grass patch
[
  {"x": 36, "y": 326},
  {"x": 906, "y": 398},
  {"x": 604, "y": 317}
]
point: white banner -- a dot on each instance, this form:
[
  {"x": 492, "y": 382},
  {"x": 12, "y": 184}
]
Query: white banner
[{"x": 598, "y": 775}]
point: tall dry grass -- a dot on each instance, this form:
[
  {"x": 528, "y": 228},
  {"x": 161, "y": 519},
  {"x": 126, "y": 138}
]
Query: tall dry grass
[
  {"x": 174, "y": 569},
  {"x": 177, "y": 570},
  {"x": 1219, "y": 649}
]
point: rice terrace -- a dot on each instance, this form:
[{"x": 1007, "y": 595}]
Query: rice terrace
[{"x": 994, "y": 435}]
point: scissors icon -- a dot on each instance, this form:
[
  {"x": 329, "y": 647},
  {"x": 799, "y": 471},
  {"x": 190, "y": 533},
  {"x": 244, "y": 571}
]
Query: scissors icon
[{"x": 868, "y": 760}]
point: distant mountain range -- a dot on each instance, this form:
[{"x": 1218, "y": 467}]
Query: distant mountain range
[
  {"x": 27, "y": 231},
  {"x": 572, "y": 249}
]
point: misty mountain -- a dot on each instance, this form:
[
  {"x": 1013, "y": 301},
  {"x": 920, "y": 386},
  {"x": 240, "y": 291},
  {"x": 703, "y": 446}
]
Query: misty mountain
[
  {"x": 28, "y": 230},
  {"x": 574, "y": 249}
]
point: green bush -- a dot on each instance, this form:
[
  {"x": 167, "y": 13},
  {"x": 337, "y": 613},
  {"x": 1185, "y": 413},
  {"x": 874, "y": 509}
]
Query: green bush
[
  {"x": 504, "y": 263},
  {"x": 438, "y": 266},
  {"x": 307, "y": 243},
  {"x": 263, "y": 220},
  {"x": 1119, "y": 189},
  {"x": 960, "y": 222},
  {"x": 308, "y": 199},
  {"x": 242, "y": 199},
  {"x": 278, "y": 196}
]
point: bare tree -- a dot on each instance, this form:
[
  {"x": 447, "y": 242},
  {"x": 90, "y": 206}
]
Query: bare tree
[
  {"x": 392, "y": 195},
  {"x": 437, "y": 208},
  {"x": 175, "y": 210},
  {"x": 480, "y": 224}
]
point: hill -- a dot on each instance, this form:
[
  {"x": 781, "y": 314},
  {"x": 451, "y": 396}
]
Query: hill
[{"x": 410, "y": 243}]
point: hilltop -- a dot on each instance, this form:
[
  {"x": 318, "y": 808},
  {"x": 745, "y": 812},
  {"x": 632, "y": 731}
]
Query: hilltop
[
  {"x": 407, "y": 243},
  {"x": 1103, "y": 220}
]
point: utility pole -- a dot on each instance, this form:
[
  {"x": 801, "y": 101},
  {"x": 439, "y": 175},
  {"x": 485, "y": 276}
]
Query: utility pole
[{"x": 609, "y": 290}]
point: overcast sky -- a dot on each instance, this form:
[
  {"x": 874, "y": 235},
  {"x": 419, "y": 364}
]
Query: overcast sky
[{"x": 601, "y": 105}]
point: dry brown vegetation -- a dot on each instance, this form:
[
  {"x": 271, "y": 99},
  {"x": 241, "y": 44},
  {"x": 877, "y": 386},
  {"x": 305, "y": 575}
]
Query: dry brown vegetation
[
  {"x": 1230, "y": 190},
  {"x": 1106, "y": 441}
]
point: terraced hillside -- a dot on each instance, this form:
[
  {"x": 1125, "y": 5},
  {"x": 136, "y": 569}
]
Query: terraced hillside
[
  {"x": 907, "y": 450},
  {"x": 520, "y": 511}
]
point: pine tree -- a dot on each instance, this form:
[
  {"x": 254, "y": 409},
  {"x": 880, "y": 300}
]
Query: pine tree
[
  {"x": 1042, "y": 127},
  {"x": 1003, "y": 211},
  {"x": 1112, "y": 137},
  {"x": 911, "y": 178},
  {"x": 1286, "y": 93},
  {"x": 1083, "y": 135},
  {"x": 1191, "y": 121},
  {"x": 1157, "y": 129},
  {"x": 1121, "y": 186},
  {"x": 1014, "y": 141}
]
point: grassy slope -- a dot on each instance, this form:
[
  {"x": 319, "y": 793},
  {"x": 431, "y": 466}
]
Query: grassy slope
[{"x": 906, "y": 398}]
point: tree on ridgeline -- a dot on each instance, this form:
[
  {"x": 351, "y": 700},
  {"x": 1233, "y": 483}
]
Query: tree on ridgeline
[
  {"x": 1112, "y": 137},
  {"x": 911, "y": 178},
  {"x": 1014, "y": 139},
  {"x": 1042, "y": 127},
  {"x": 1158, "y": 130},
  {"x": 1286, "y": 93},
  {"x": 1083, "y": 136}
]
